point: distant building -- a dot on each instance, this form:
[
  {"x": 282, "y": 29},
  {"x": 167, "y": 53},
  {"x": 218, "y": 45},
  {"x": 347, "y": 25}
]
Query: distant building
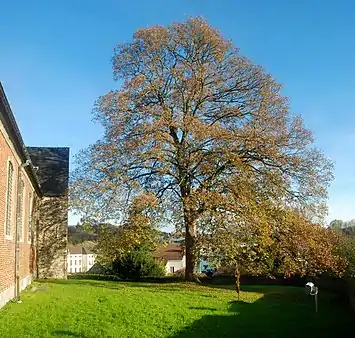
[
  {"x": 173, "y": 257},
  {"x": 80, "y": 259},
  {"x": 203, "y": 266}
]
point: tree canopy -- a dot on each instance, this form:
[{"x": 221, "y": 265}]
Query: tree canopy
[{"x": 197, "y": 125}]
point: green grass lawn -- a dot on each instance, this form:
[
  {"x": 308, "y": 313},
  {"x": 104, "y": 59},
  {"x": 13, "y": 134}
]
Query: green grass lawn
[{"x": 79, "y": 308}]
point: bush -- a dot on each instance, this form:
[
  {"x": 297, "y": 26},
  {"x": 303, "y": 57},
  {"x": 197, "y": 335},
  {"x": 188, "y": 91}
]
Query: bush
[
  {"x": 180, "y": 273},
  {"x": 224, "y": 271},
  {"x": 136, "y": 265},
  {"x": 347, "y": 251}
]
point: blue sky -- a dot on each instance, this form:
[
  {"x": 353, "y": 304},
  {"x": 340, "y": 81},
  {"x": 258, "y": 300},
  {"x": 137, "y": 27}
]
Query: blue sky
[{"x": 55, "y": 62}]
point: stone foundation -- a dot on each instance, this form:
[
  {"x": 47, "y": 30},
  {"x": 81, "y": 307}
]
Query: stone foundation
[{"x": 9, "y": 293}]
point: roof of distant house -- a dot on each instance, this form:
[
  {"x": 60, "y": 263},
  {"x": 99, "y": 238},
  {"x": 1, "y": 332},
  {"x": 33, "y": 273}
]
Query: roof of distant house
[
  {"x": 75, "y": 249},
  {"x": 170, "y": 252},
  {"x": 79, "y": 250}
]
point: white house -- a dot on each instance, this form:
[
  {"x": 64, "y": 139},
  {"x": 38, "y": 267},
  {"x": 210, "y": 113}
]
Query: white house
[
  {"x": 80, "y": 259},
  {"x": 173, "y": 257}
]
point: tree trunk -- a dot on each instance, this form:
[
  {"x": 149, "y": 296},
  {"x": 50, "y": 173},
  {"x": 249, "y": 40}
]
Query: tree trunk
[
  {"x": 237, "y": 279},
  {"x": 190, "y": 247}
]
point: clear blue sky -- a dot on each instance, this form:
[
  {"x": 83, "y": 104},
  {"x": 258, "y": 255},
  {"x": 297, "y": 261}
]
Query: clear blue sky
[{"x": 55, "y": 61}]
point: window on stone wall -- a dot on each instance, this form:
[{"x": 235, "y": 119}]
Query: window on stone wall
[
  {"x": 8, "y": 210},
  {"x": 29, "y": 228},
  {"x": 71, "y": 262},
  {"x": 79, "y": 261},
  {"x": 172, "y": 269},
  {"x": 21, "y": 189},
  {"x": 75, "y": 262}
]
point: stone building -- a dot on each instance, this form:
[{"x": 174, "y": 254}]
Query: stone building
[{"x": 33, "y": 209}]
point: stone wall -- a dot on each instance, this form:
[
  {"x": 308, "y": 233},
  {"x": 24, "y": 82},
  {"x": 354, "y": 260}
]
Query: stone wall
[{"x": 52, "y": 230}]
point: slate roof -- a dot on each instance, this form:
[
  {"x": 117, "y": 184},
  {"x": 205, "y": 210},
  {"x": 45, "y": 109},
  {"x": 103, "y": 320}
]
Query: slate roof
[
  {"x": 171, "y": 252},
  {"x": 47, "y": 168},
  {"x": 52, "y": 169}
]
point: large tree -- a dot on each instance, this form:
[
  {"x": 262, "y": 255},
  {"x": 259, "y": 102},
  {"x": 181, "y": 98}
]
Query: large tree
[{"x": 190, "y": 116}]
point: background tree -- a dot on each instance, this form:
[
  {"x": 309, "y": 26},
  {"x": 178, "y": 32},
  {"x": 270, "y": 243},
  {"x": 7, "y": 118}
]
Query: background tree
[
  {"x": 303, "y": 248},
  {"x": 138, "y": 232},
  {"x": 191, "y": 115},
  {"x": 260, "y": 238},
  {"x": 347, "y": 227},
  {"x": 336, "y": 224}
]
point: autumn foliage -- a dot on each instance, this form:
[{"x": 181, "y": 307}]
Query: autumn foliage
[
  {"x": 208, "y": 133},
  {"x": 137, "y": 232}
]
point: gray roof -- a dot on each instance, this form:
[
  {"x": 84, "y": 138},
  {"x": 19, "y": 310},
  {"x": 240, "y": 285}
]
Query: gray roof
[
  {"x": 170, "y": 252},
  {"x": 75, "y": 250},
  {"x": 52, "y": 169},
  {"x": 51, "y": 176},
  {"x": 79, "y": 250}
]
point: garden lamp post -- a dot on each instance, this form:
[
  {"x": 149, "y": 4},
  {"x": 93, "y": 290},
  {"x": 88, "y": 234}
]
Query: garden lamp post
[{"x": 312, "y": 290}]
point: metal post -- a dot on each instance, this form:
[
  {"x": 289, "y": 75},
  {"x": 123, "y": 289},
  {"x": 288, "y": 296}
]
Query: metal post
[
  {"x": 17, "y": 244},
  {"x": 17, "y": 237},
  {"x": 316, "y": 301}
]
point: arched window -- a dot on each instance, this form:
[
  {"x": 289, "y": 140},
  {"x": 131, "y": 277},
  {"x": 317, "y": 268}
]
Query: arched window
[
  {"x": 21, "y": 189},
  {"x": 9, "y": 196},
  {"x": 29, "y": 221}
]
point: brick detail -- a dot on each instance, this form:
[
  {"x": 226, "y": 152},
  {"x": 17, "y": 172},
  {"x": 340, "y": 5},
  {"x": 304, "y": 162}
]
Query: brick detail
[
  {"x": 45, "y": 255},
  {"x": 7, "y": 245}
]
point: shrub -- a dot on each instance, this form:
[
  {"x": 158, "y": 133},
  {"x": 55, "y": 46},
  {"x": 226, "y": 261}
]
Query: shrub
[
  {"x": 137, "y": 264},
  {"x": 346, "y": 249},
  {"x": 180, "y": 273},
  {"x": 227, "y": 270}
]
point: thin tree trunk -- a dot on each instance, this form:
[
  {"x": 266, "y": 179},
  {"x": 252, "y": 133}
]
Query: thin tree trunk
[
  {"x": 190, "y": 243},
  {"x": 237, "y": 279}
]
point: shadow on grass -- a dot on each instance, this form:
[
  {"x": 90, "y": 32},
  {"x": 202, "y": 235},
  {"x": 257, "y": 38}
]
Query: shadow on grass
[
  {"x": 202, "y": 308},
  {"x": 65, "y": 333},
  {"x": 272, "y": 316},
  {"x": 121, "y": 284}
]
